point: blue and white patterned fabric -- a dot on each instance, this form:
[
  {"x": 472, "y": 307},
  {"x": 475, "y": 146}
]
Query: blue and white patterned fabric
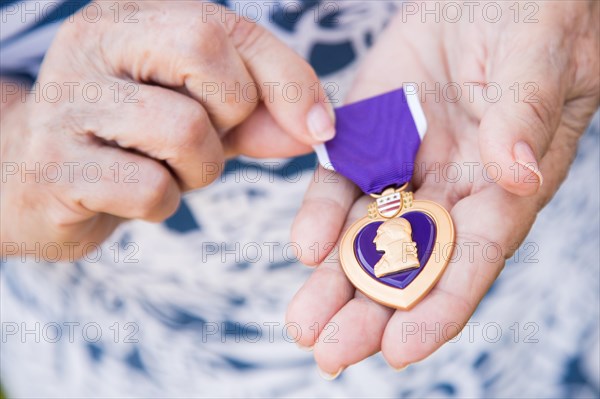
[{"x": 195, "y": 307}]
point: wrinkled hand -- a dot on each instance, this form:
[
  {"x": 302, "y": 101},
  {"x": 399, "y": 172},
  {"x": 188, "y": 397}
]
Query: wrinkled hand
[
  {"x": 555, "y": 64},
  {"x": 151, "y": 101}
]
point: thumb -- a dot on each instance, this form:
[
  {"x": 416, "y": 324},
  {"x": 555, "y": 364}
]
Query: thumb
[
  {"x": 289, "y": 86},
  {"x": 517, "y": 130}
]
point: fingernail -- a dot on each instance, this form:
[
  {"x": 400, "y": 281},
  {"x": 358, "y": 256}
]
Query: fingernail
[
  {"x": 401, "y": 368},
  {"x": 329, "y": 377},
  {"x": 525, "y": 157},
  {"x": 320, "y": 122},
  {"x": 305, "y": 348}
]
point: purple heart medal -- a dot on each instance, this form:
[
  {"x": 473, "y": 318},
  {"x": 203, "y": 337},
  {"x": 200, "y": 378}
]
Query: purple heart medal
[{"x": 396, "y": 253}]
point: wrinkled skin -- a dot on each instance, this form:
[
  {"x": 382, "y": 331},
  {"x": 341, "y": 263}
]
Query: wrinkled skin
[
  {"x": 559, "y": 55},
  {"x": 156, "y": 130}
]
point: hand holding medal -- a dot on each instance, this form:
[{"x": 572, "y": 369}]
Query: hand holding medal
[
  {"x": 375, "y": 146},
  {"x": 524, "y": 140}
]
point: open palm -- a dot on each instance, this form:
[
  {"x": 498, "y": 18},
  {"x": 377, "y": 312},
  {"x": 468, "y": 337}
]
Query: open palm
[{"x": 483, "y": 158}]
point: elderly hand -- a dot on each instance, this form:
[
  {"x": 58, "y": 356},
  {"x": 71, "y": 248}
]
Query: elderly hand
[
  {"x": 548, "y": 74},
  {"x": 151, "y": 101}
]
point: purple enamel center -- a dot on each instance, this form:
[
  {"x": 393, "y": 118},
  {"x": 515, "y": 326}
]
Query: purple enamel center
[{"x": 423, "y": 233}]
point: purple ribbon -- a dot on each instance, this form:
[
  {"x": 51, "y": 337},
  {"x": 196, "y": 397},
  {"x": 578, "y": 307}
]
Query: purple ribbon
[{"x": 376, "y": 140}]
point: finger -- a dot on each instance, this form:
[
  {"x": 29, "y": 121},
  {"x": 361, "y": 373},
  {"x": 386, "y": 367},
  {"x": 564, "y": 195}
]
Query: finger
[
  {"x": 515, "y": 132},
  {"x": 289, "y": 86},
  {"x": 359, "y": 325},
  {"x": 127, "y": 185},
  {"x": 490, "y": 226},
  {"x": 323, "y": 295},
  {"x": 322, "y": 214},
  {"x": 260, "y": 136},
  {"x": 76, "y": 201},
  {"x": 196, "y": 56},
  {"x": 429, "y": 180},
  {"x": 166, "y": 126},
  {"x": 286, "y": 83}
]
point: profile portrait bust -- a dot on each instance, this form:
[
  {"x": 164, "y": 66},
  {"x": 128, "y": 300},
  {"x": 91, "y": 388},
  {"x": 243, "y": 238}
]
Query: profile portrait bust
[{"x": 394, "y": 237}]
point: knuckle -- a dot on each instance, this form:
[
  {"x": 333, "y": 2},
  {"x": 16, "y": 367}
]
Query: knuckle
[
  {"x": 214, "y": 170},
  {"x": 236, "y": 111},
  {"x": 244, "y": 34},
  {"x": 197, "y": 119},
  {"x": 207, "y": 39},
  {"x": 154, "y": 193},
  {"x": 190, "y": 130},
  {"x": 543, "y": 115},
  {"x": 92, "y": 20},
  {"x": 585, "y": 67},
  {"x": 61, "y": 217}
]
